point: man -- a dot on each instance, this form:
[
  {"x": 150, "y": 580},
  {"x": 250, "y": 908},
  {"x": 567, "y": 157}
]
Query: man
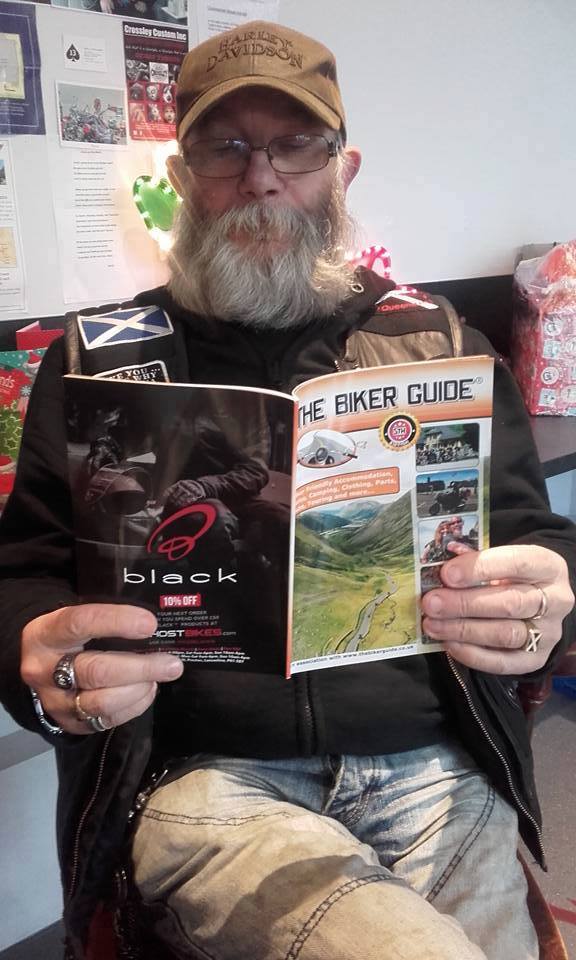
[{"x": 365, "y": 811}]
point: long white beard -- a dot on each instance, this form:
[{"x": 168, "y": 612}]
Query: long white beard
[{"x": 250, "y": 284}]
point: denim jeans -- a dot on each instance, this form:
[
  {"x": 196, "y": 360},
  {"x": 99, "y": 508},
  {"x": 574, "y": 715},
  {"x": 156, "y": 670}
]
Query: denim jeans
[{"x": 410, "y": 856}]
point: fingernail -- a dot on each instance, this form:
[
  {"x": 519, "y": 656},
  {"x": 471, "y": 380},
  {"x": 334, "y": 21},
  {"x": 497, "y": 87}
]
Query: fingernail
[
  {"x": 173, "y": 668},
  {"x": 433, "y": 604}
]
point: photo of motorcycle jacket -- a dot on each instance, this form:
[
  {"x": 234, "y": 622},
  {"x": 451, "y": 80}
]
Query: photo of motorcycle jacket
[{"x": 373, "y": 708}]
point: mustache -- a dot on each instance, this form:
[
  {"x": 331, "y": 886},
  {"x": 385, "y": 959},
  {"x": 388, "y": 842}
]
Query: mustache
[{"x": 261, "y": 221}]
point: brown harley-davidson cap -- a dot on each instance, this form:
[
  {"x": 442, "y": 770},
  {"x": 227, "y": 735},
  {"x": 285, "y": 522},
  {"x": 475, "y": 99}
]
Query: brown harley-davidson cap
[{"x": 259, "y": 54}]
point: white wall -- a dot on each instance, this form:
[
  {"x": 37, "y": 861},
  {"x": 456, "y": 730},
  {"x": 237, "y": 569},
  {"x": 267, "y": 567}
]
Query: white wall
[{"x": 465, "y": 111}]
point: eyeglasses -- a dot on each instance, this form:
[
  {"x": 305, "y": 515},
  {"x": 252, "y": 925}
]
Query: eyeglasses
[{"x": 220, "y": 159}]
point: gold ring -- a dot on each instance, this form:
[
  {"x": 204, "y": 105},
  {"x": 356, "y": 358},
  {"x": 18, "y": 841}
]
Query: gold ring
[
  {"x": 543, "y": 608},
  {"x": 96, "y": 722},
  {"x": 534, "y": 635},
  {"x": 81, "y": 714}
]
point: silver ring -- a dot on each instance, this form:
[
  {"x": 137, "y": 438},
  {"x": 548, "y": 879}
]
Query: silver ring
[
  {"x": 543, "y": 608},
  {"x": 63, "y": 674},
  {"x": 97, "y": 723},
  {"x": 534, "y": 636}
]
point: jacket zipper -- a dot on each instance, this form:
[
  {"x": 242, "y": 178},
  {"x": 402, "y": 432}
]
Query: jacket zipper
[
  {"x": 85, "y": 812},
  {"x": 500, "y": 756}
]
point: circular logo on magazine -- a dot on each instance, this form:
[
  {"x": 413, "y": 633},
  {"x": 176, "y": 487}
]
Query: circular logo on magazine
[{"x": 400, "y": 431}]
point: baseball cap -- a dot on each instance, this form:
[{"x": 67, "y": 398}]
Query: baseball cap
[{"x": 259, "y": 54}]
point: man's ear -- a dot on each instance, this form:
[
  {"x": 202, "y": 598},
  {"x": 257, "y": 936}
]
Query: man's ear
[
  {"x": 178, "y": 174},
  {"x": 352, "y": 163}
]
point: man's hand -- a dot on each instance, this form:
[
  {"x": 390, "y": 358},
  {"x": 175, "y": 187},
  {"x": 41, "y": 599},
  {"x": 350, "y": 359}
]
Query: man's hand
[
  {"x": 480, "y": 613},
  {"x": 114, "y": 686}
]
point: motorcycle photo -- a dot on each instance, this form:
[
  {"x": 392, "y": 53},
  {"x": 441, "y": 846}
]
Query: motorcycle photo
[{"x": 450, "y": 500}]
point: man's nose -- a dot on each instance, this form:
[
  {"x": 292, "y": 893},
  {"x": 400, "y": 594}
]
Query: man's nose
[{"x": 260, "y": 179}]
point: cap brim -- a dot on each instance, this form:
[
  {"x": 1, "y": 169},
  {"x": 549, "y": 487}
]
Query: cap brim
[{"x": 215, "y": 94}]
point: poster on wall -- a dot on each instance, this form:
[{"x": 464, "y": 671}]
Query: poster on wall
[
  {"x": 11, "y": 260},
  {"x": 21, "y": 107},
  {"x": 165, "y": 11},
  {"x": 152, "y": 58},
  {"x": 213, "y": 18},
  {"x": 90, "y": 113}
]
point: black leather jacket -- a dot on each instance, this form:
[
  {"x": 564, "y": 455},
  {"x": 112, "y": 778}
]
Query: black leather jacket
[{"x": 100, "y": 776}]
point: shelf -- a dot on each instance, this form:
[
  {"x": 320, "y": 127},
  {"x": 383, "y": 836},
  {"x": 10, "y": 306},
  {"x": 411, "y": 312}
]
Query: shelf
[{"x": 555, "y": 439}]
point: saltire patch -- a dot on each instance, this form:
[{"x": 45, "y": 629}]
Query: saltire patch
[
  {"x": 153, "y": 372},
  {"x": 123, "y": 326}
]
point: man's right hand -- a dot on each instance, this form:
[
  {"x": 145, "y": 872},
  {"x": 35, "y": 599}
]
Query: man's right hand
[{"x": 114, "y": 686}]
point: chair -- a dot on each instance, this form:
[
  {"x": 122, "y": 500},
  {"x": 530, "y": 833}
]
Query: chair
[
  {"x": 534, "y": 694},
  {"x": 122, "y": 931}
]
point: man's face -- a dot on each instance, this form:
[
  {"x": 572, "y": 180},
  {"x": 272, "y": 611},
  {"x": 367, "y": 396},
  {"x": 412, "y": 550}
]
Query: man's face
[
  {"x": 262, "y": 248},
  {"x": 258, "y": 116}
]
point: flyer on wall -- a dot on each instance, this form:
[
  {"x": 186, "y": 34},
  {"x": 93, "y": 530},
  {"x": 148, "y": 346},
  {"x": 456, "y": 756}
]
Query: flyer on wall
[
  {"x": 212, "y": 18},
  {"x": 21, "y": 107},
  {"x": 271, "y": 532},
  {"x": 12, "y": 280},
  {"x": 152, "y": 57}
]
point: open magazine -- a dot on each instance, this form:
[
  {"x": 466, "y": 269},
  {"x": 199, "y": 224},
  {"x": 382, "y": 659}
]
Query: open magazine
[{"x": 280, "y": 533}]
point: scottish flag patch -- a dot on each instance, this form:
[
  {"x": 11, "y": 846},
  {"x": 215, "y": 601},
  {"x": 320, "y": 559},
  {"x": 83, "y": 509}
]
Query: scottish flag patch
[{"x": 124, "y": 326}]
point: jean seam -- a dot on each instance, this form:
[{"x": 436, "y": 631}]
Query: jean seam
[
  {"x": 152, "y": 814},
  {"x": 323, "y": 908},
  {"x": 465, "y": 846}
]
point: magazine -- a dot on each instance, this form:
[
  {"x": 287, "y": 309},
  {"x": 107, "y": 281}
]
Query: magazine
[{"x": 280, "y": 533}]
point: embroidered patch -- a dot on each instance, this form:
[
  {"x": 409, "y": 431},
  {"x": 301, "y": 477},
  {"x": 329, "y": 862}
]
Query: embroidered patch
[
  {"x": 409, "y": 297},
  {"x": 155, "y": 371},
  {"x": 124, "y": 326}
]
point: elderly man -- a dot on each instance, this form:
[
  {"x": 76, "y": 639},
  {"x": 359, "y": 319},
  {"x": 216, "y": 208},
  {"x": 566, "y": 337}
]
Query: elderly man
[{"x": 365, "y": 811}]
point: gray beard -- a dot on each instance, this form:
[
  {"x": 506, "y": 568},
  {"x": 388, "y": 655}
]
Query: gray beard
[{"x": 213, "y": 276}]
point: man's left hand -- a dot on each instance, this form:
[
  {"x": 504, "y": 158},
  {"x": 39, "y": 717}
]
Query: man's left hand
[{"x": 484, "y": 613}]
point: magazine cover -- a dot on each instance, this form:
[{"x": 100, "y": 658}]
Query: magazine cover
[
  {"x": 393, "y": 464},
  {"x": 277, "y": 533}
]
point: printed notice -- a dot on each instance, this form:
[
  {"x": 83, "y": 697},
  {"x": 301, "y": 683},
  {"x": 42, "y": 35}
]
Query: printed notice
[
  {"x": 84, "y": 53},
  {"x": 11, "y": 263},
  {"x": 213, "y": 18},
  {"x": 88, "y": 196}
]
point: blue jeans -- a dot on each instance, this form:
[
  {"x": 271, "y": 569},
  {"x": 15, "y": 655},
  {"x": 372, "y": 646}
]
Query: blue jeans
[{"x": 410, "y": 856}]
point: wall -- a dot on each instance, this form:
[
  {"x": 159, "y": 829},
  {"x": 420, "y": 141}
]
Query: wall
[{"x": 464, "y": 113}]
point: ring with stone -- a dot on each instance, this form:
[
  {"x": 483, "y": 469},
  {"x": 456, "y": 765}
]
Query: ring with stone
[
  {"x": 534, "y": 636},
  {"x": 543, "y": 608},
  {"x": 64, "y": 675}
]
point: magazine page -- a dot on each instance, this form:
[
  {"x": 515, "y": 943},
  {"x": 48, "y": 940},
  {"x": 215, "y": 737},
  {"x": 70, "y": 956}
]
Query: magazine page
[
  {"x": 182, "y": 503},
  {"x": 393, "y": 464}
]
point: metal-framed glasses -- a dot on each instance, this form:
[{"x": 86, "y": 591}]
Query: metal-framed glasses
[{"x": 219, "y": 159}]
